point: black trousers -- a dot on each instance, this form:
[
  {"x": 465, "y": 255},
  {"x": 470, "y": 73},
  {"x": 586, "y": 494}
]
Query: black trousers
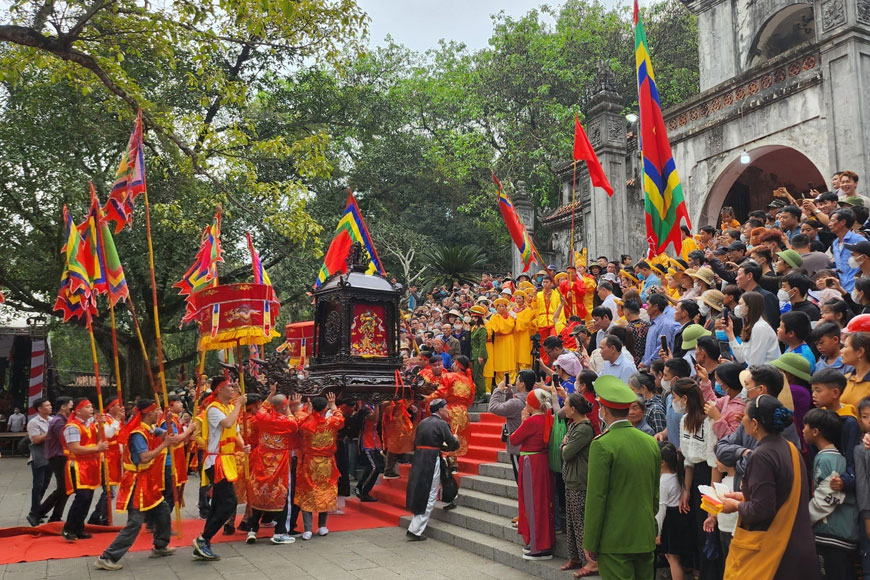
[
  {"x": 157, "y": 516},
  {"x": 342, "y": 461},
  {"x": 57, "y": 500},
  {"x": 836, "y": 563},
  {"x": 78, "y": 511},
  {"x": 223, "y": 505},
  {"x": 373, "y": 460},
  {"x": 41, "y": 477},
  {"x": 280, "y": 517}
]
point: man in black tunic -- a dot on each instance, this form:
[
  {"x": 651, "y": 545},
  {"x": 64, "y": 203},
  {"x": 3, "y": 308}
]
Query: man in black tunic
[{"x": 433, "y": 437}]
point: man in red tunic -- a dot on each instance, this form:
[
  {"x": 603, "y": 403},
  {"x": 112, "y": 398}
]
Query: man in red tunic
[
  {"x": 83, "y": 447},
  {"x": 269, "y": 489},
  {"x": 317, "y": 473},
  {"x": 141, "y": 491},
  {"x": 573, "y": 289},
  {"x": 458, "y": 391}
]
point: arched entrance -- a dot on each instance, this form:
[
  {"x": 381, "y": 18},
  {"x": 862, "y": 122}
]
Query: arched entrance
[{"x": 749, "y": 186}]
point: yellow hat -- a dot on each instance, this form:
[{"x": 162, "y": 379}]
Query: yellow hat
[
  {"x": 500, "y": 301},
  {"x": 525, "y": 285},
  {"x": 560, "y": 276},
  {"x": 478, "y": 310},
  {"x": 629, "y": 275}
]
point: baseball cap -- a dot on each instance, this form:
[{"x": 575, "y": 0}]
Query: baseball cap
[
  {"x": 737, "y": 246},
  {"x": 860, "y": 247}
]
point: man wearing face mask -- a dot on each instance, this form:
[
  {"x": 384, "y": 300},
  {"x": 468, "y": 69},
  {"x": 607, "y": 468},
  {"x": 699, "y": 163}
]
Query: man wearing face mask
[
  {"x": 860, "y": 258},
  {"x": 675, "y": 368},
  {"x": 684, "y": 315},
  {"x": 735, "y": 449},
  {"x": 795, "y": 287}
]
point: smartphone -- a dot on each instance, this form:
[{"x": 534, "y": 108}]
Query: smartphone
[
  {"x": 507, "y": 379},
  {"x": 725, "y": 350},
  {"x": 725, "y": 313},
  {"x": 664, "y": 343}
]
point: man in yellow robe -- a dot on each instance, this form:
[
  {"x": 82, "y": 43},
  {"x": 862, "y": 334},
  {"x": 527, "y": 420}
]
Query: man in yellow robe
[
  {"x": 524, "y": 327},
  {"x": 502, "y": 324},
  {"x": 548, "y": 303}
]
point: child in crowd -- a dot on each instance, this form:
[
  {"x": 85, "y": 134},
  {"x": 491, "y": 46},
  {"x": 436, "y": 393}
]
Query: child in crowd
[
  {"x": 826, "y": 337},
  {"x": 794, "y": 330},
  {"x": 676, "y": 536},
  {"x": 833, "y": 513},
  {"x": 861, "y": 456},
  {"x": 727, "y": 523},
  {"x": 828, "y": 385}
]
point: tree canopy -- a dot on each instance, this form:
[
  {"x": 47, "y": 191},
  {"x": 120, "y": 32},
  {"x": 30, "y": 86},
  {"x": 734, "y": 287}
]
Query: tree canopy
[{"x": 274, "y": 110}]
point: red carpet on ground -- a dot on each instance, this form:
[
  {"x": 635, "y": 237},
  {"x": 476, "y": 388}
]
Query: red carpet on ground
[{"x": 26, "y": 544}]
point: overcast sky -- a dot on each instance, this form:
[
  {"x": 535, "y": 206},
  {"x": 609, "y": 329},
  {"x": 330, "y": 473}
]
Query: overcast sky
[{"x": 420, "y": 24}]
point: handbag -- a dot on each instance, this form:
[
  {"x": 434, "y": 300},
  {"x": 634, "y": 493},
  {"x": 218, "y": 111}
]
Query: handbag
[
  {"x": 449, "y": 487},
  {"x": 557, "y": 433}
]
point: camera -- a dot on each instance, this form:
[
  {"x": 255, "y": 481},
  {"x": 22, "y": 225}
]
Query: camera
[{"x": 536, "y": 345}]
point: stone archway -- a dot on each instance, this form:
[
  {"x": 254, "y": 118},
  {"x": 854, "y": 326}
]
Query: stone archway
[
  {"x": 790, "y": 27},
  {"x": 747, "y": 187}
]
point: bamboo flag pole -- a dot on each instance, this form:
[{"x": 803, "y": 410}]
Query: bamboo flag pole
[
  {"x": 161, "y": 374},
  {"x": 104, "y": 466},
  {"x": 132, "y": 309},
  {"x": 238, "y": 350}
]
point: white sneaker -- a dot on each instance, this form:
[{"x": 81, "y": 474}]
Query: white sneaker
[
  {"x": 337, "y": 512},
  {"x": 283, "y": 539},
  {"x": 323, "y": 531},
  {"x": 106, "y": 564},
  {"x": 252, "y": 538},
  {"x": 306, "y": 535}
]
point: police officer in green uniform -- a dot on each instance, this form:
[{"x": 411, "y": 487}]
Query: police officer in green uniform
[{"x": 622, "y": 494}]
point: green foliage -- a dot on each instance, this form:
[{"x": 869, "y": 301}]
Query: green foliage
[{"x": 448, "y": 264}]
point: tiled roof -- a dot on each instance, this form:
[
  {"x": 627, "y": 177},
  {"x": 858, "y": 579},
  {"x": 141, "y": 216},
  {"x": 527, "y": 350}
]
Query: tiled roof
[{"x": 564, "y": 211}]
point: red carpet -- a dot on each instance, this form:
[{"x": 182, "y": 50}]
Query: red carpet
[
  {"x": 26, "y": 544},
  {"x": 483, "y": 447}
]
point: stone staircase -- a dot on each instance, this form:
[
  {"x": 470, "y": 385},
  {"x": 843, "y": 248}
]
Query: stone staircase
[{"x": 481, "y": 522}]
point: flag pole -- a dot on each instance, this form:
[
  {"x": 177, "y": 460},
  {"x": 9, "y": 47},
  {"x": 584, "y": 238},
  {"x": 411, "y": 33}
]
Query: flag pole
[
  {"x": 161, "y": 374},
  {"x": 132, "y": 309},
  {"x": 104, "y": 465},
  {"x": 115, "y": 352}
]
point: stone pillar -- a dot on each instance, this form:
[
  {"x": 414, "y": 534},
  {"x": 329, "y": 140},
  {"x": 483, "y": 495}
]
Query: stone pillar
[
  {"x": 613, "y": 223},
  {"x": 843, "y": 26},
  {"x": 525, "y": 211},
  {"x": 718, "y": 53}
]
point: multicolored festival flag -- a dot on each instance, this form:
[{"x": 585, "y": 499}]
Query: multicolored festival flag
[
  {"x": 583, "y": 151},
  {"x": 515, "y": 227},
  {"x": 664, "y": 203},
  {"x": 204, "y": 268},
  {"x": 351, "y": 229},
  {"x": 129, "y": 180},
  {"x": 75, "y": 297},
  {"x": 260, "y": 275}
]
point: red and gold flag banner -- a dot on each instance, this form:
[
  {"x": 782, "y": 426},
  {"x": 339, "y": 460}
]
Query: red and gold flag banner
[{"x": 235, "y": 314}]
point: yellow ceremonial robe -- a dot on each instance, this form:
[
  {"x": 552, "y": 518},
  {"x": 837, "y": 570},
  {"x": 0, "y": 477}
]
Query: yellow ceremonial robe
[
  {"x": 524, "y": 326},
  {"x": 546, "y": 309},
  {"x": 589, "y": 297},
  {"x": 503, "y": 350}
]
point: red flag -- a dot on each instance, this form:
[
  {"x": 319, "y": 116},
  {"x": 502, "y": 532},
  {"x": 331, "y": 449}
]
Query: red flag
[
  {"x": 634, "y": 14},
  {"x": 583, "y": 152}
]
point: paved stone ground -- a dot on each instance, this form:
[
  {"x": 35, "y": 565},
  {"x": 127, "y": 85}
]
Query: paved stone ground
[{"x": 377, "y": 554}]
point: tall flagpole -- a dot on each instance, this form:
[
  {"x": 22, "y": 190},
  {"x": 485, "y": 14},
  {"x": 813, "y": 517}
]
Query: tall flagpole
[
  {"x": 104, "y": 465},
  {"x": 115, "y": 351},
  {"x": 132, "y": 309},
  {"x": 161, "y": 374}
]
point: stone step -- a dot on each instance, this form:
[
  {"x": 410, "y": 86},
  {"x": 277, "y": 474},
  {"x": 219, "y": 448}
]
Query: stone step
[
  {"x": 504, "y": 457},
  {"x": 490, "y": 485},
  {"x": 494, "y": 548},
  {"x": 497, "y": 470},
  {"x": 498, "y": 527},
  {"x": 499, "y": 506}
]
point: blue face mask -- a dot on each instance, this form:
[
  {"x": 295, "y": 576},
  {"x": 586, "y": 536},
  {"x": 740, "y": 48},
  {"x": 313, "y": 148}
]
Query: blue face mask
[
  {"x": 719, "y": 390},
  {"x": 641, "y": 277}
]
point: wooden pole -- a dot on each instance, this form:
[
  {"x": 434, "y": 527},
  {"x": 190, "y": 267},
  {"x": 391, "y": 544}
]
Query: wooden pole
[
  {"x": 104, "y": 466},
  {"x": 161, "y": 374},
  {"x": 115, "y": 353},
  {"x": 129, "y": 302},
  {"x": 244, "y": 423}
]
